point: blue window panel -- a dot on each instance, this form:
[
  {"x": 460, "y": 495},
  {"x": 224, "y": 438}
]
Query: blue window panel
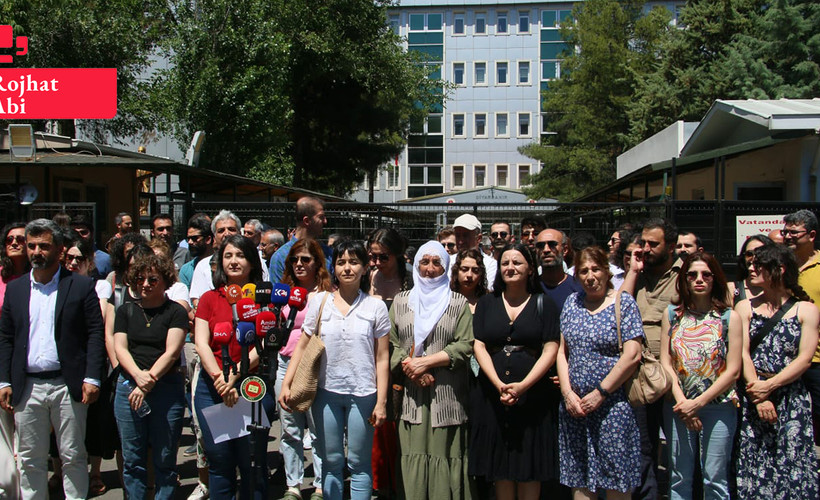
[
  {"x": 433, "y": 53},
  {"x": 565, "y": 15},
  {"x": 548, "y": 70},
  {"x": 417, "y": 22},
  {"x": 550, "y": 36},
  {"x": 548, "y": 18},
  {"x": 425, "y": 38},
  {"x": 552, "y": 50},
  {"x": 434, "y": 22}
]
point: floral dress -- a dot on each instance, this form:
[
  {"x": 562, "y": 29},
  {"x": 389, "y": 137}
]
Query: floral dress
[
  {"x": 777, "y": 461},
  {"x": 601, "y": 450}
]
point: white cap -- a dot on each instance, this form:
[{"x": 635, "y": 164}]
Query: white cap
[{"x": 468, "y": 221}]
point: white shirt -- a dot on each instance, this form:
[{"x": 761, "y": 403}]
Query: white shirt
[
  {"x": 42, "y": 307},
  {"x": 491, "y": 266},
  {"x": 349, "y": 364},
  {"x": 103, "y": 289},
  {"x": 202, "y": 280},
  {"x": 177, "y": 292}
]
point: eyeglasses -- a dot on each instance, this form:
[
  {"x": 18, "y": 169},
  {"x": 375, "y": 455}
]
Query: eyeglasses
[
  {"x": 705, "y": 275},
  {"x": 83, "y": 232},
  {"x": 527, "y": 234},
  {"x": 381, "y": 257},
  {"x": 304, "y": 259},
  {"x": 152, "y": 280},
  {"x": 449, "y": 245},
  {"x": 20, "y": 239},
  {"x": 652, "y": 244},
  {"x": 499, "y": 234},
  {"x": 71, "y": 258},
  {"x": 541, "y": 244},
  {"x": 792, "y": 233},
  {"x": 193, "y": 238}
]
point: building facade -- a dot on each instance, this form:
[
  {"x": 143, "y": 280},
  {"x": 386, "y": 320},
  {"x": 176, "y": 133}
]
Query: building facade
[{"x": 498, "y": 56}]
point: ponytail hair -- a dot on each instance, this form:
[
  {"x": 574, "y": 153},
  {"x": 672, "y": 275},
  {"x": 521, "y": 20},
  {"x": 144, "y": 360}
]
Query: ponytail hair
[{"x": 779, "y": 261}]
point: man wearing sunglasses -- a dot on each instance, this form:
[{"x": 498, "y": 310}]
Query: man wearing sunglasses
[
  {"x": 799, "y": 232},
  {"x": 551, "y": 249},
  {"x": 500, "y": 236},
  {"x": 200, "y": 245}
]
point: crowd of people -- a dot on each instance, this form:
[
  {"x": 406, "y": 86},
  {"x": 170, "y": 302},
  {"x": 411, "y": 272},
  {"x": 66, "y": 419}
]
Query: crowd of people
[{"x": 475, "y": 366}]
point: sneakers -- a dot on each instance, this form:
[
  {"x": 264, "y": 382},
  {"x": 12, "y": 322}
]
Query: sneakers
[
  {"x": 189, "y": 451},
  {"x": 199, "y": 493}
]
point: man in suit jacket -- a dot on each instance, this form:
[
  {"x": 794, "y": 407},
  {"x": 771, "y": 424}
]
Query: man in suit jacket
[{"x": 52, "y": 356}]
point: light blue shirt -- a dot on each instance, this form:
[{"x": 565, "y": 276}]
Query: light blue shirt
[{"x": 42, "y": 348}]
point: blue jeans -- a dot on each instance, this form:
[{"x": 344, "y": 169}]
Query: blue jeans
[
  {"x": 712, "y": 446},
  {"x": 333, "y": 413},
  {"x": 161, "y": 430},
  {"x": 225, "y": 457},
  {"x": 293, "y": 428}
]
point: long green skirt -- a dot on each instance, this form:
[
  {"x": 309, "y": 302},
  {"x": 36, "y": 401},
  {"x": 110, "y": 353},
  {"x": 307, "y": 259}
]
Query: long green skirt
[{"x": 433, "y": 462}]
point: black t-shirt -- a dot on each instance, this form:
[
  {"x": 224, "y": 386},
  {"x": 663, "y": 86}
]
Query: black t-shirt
[
  {"x": 562, "y": 291},
  {"x": 146, "y": 344}
]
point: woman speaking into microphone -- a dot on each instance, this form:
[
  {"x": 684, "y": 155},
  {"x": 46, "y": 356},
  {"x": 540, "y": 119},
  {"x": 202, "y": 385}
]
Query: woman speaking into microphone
[{"x": 237, "y": 264}]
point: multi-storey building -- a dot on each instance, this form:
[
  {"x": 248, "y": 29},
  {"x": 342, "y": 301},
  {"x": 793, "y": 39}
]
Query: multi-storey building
[{"x": 498, "y": 56}]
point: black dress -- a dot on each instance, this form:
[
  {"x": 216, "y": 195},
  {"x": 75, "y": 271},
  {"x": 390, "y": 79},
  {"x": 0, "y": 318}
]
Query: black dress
[{"x": 520, "y": 442}]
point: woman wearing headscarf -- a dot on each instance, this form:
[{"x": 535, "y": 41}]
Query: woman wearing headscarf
[{"x": 432, "y": 336}]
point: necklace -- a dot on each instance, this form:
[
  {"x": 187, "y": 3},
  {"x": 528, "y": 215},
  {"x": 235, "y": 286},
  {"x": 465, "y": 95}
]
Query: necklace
[{"x": 147, "y": 319}]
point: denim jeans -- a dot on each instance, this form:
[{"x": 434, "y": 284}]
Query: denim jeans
[
  {"x": 161, "y": 430},
  {"x": 333, "y": 413},
  {"x": 293, "y": 428},
  {"x": 225, "y": 457},
  {"x": 712, "y": 446}
]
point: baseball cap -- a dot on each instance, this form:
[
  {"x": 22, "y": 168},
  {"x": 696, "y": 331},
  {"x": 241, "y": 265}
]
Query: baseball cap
[{"x": 468, "y": 221}]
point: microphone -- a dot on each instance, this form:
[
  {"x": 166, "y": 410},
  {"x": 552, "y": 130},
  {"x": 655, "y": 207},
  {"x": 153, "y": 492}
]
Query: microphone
[
  {"x": 233, "y": 293},
  {"x": 296, "y": 301},
  {"x": 249, "y": 291},
  {"x": 246, "y": 336},
  {"x": 222, "y": 337},
  {"x": 266, "y": 328},
  {"x": 279, "y": 297},
  {"x": 263, "y": 293},
  {"x": 247, "y": 309}
]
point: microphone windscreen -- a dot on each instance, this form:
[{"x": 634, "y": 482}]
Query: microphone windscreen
[
  {"x": 245, "y": 333},
  {"x": 249, "y": 291},
  {"x": 247, "y": 309},
  {"x": 280, "y": 294},
  {"x": 263, "y": 292},
  {"x": 298, "y": 298},
  {"x": 233, "y": 293},
  {"x": 222, "y": 334},
  {"x": 265, "y": 322}
]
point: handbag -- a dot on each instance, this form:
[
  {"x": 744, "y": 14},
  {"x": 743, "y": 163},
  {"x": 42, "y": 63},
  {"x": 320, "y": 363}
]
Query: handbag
[
  {"x": 650, "y": 381},
  {"x": 306, "y": 377}
]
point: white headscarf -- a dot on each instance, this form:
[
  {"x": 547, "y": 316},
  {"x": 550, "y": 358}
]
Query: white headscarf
[{"x": 429, "y": 297}]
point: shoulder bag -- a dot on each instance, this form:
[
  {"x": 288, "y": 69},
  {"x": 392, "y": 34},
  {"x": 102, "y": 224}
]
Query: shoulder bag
[
  {"x": 306, "y": 378},
  {"x": 650, "y": 381}
]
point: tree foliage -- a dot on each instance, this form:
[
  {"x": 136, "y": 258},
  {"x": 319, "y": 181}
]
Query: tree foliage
[
  {"x": 94, "y": 34},
  {"x": 311, "y": 93},
  {"x": 586, "y": 107}
]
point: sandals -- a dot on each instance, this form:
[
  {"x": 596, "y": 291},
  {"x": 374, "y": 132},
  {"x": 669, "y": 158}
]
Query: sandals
[{"x": 96, "y": 487}]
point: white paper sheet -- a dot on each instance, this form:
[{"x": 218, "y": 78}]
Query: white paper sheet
[{"x": 231, "y": 423}]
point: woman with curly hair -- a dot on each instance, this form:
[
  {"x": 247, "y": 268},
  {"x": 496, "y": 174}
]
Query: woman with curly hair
[
  {"x": 469, "y": 277},
  {"x": 776, "y": 456}
]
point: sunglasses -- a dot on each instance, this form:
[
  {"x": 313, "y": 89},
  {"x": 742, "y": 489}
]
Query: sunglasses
[
  {"x": 194, "y": 238},
  {"x": 381, "y": 257},
  {"x": 71, "y": 258},
  {"x": 20, "y": 239},
  {"x": 527, "y": 234},
  {"x": 450, "y": 245},
  {"x": 152, "y": 280},
  {"x": 792, "y": 233},
  {"x": 304, "y": 259},
  {"x": 541, "y": 244},
  {"x": 705, "y": 275},
  {"x": 499, "y": 234}
]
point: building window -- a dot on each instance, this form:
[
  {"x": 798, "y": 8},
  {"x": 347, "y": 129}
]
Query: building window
[
  {"x": 458, "y": 74},
  {"x": 392, "y": 172},
  {"x": 480, "y": 175},
  {"x": 458, "y": 176},
  {"x": 458, "y": 24},
  {"x": 523, "y": 72},
  {"x": 524, "y": 22},
  {"x": 394, "y": 23},
  {"x": 480, "y": 23},
  {"x": 502, "y": 177},
  {"x": 417, "y": 22},
  {"x": 480, "y": 73},
  {"x": 480, "y": 125},
  {"x": 458, "y": 125},
  {"x": 502, "y": 125},
  {"x": 501, "y": 23},
  {"x": 523, "y": 124},
  {"x": 434, "y": 22},
  {"x": 501, "y": 73},
  {"x": 425, "y": 22},
  {"x": 523, "y": 175}
]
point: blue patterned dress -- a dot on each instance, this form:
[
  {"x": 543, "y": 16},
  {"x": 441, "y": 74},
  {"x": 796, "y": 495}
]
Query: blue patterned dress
[
  {"x": 777, "y": 461},
  {"x": 601, "y": 450}
]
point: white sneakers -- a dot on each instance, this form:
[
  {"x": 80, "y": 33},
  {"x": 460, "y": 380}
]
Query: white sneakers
[{"x": 199, "y": 493}]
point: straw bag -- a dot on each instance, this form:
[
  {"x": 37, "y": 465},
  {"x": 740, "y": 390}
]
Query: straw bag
[
  {"x": 650, "y": 381},
  {"x": 306, "y": 378}
]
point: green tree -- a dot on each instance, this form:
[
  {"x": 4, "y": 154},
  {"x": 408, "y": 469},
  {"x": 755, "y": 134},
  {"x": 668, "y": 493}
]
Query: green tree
[
  {"x": 311, "y": 93},
  {"x": 586, "y": 106},
  {"x": 93, "y": 34}
]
